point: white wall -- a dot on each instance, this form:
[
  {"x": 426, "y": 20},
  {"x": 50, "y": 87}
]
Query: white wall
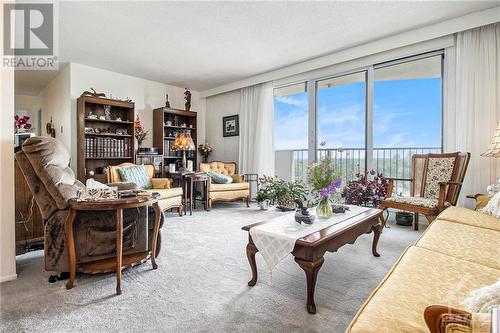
[
  {"x": 29, "y": 105},
  {"x": 7, "y": 217},
  {"x": 225, "y": 148},
  {"x": 56, "y": 105},
  {"x": 146, "y": 94}
]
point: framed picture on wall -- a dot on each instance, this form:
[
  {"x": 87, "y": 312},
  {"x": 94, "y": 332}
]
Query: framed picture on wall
[{"x": 231, "y": 126}]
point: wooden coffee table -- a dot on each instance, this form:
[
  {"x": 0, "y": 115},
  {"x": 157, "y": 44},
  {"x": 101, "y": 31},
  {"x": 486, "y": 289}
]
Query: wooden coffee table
[{"x": 309, "y": 250}]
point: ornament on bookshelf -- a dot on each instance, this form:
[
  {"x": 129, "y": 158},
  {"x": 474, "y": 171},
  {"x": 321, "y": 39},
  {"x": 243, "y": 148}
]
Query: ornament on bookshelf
[
  {"x": 89, "y": 130},
  {"x": 107, "y": 112},
  {"x": 167, "y": 103},
  {"x": 102, "y": 117},
  {"x": 93, "y": 93},
  {"x": 91, "y": 115},
  {"x": 121, "y": 131},
  {"x": 168, "y": 123},
  {"x": 187, "y": 97},
  {"x": 118, "y": 119}
]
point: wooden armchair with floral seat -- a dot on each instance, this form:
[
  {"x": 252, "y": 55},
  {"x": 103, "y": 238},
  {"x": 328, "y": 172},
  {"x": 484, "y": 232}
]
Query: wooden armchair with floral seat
[
  {"x": 435, "y": 184},
  {"x": 170, "y": 197},
  {"x": 238, "y": 189}
]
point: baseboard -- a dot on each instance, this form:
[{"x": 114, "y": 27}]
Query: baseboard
[{"x": 8, "y": 278}]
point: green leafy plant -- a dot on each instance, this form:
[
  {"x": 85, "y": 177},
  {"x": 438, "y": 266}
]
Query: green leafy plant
[
  {"x": 262, "y": 195},
  {"x": 282, "y": 192}
]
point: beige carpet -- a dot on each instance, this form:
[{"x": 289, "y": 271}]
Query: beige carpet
[{"x": 201, "y": 285}]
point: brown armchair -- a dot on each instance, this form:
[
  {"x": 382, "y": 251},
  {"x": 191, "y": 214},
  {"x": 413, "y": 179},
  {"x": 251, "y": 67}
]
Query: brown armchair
[
  {"x": 238, "y": 189},
  {"x": 435, "y": 184},
  {"x": 44, "y": 163}
]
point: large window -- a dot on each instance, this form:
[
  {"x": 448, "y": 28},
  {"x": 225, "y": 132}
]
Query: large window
[
  {"x": 291, "y": 112},
  {"x": 374, "y": 118},
  {"x": 341, "y": 120}
]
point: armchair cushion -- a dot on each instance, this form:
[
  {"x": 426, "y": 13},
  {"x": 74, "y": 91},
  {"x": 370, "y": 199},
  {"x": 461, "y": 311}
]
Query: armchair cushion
[
  {"x": 228, "y": 187},
  {"x": 159, "y": 183},
  {"x": 219, "y": 178},
  {"x": 439, "y": 169},
  {"x": 166, "y": 193},
  {"x": 136, "y": 174},
  {"x": 418, "y": 201}
]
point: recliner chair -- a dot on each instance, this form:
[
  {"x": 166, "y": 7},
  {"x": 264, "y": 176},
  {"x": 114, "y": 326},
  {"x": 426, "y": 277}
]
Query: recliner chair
[{"x": 44, "y": 163}]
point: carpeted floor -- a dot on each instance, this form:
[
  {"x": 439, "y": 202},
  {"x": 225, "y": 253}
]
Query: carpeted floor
[{"x": 201, "y": 285}]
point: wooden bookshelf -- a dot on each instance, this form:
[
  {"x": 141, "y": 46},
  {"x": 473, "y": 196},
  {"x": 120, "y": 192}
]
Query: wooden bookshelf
[
  {"x": 164, "y": 135},
  {"x": 99, "y": 144}
]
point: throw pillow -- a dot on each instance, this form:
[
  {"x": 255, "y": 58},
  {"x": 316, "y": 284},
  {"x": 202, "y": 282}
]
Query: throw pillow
[
  {"x": 219, "y": 178},
  {"x": 493, "y": 206},
  {"x": 136, "y": 174},
  {"x": 237, "y": 178},
  {"x": 483, "y": 299}
]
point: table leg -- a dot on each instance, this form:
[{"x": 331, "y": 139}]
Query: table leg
[
  {"x": 119, "y": 239},
  {"x": 205, "y": 200},
  {"x": 156, "y": 231},
  {"x": 377, "y": 230},
  {"x": 191, "y": 182},
  {"x": 184, "y": 186},
  {"x": 311, "y": 269},
  {"x": 71, "y": 247},
  {"x": 251, "y": 251}
]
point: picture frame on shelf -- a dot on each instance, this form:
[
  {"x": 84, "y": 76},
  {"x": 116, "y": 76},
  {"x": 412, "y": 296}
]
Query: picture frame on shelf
[{"x": 231, "y": 126}]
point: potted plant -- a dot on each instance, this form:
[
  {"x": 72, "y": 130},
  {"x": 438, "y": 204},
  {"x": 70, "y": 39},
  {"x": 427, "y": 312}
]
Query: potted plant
[
  {"x": 205, "y": 150},
  {"x": 283, "y": 193},
  {"x": 369, "y": 189},
  {"x": 21, "y": 124},
  {"x": 324, "y": 181},
  {"x": 263, "y": 198}
]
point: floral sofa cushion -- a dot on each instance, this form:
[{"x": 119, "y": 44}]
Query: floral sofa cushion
[{"x": 438, "y": 170}]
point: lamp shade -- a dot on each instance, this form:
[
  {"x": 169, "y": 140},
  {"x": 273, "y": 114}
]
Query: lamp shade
[
  {"x": 494, "y": 147},
  {"x": 183, "y": 142}
]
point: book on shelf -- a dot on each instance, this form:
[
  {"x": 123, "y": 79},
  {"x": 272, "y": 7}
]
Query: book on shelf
[{"x": 108, "y": 147}]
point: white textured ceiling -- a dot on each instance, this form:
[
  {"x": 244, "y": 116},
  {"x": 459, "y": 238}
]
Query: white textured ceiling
[{"x": 203, "y": 45}]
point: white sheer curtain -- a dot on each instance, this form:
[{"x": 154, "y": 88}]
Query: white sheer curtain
[
  {"x": 256, "y": 153},
  {"x": 474, "y": 108}
]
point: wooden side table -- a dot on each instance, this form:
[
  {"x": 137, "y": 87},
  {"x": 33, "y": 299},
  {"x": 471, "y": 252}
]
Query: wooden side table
[
  {"x": 117, "y": 205},
  {"x": 190, "y": 180}
]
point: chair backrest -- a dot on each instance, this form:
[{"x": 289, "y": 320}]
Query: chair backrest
[
  {"x": 114, "y": 175},
  {"x": 44, "y": 162},
  {"x": 225, "y": 168},
  {"x": 428, "y": 170}
]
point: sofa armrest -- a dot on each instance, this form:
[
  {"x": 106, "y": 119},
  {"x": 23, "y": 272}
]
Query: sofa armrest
[
  {"x": 238, "y": 178},
  {"x": 160, "y": 183},
  {"x": 438, "y": 317},
  {"x": 124, "y": 186}
]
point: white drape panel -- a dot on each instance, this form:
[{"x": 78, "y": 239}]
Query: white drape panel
[
  {"x": 256, "y": 153},
  {"x": 470, "y": 118}
]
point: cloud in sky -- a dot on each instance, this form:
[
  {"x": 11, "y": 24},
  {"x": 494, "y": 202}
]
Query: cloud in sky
[{"x": 293, "y": 101}]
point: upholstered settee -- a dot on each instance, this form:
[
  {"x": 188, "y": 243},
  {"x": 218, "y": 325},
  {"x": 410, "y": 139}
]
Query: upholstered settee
[
  {"x": 238, "y": 189},
  {"x": 458, "y": 254},
  {"x": 170, "y": 197},
  {"x": 44, "y": 163}
]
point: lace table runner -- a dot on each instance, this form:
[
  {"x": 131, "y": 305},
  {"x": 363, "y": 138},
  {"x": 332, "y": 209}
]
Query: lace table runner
[{"x": 275, "y": 240}]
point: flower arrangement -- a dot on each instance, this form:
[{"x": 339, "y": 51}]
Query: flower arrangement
[
  {"x": 363, "y": 191},
  {"x": 139, "y": 132},
  {"x": 325, "y": 181},
  {"x": 21, "y": 124},
  {"x": 205, "y": 150},
  {"x": 187, "y": 97}
]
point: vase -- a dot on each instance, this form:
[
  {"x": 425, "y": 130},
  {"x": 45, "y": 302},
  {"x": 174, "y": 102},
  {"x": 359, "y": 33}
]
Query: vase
[
  {"x": 264, "y": 205},
  {"x": 324, "y": 209},
  {"x": 136, "y": 144},
  {"x": 188, "y": 106},
  {"x": 205, "y": 158}
]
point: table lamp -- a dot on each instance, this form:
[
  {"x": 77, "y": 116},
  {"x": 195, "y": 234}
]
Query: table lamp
[
  {"x": 183, "y": 142},
  {"x": 494, "y": 151}
]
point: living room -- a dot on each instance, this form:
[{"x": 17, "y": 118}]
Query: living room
[{"x": 250, "y": 166}]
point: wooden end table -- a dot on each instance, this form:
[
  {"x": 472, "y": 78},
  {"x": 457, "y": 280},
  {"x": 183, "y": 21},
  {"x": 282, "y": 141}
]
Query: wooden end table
[
  {"x": 309, "y": 250},
  {"x": 117, "y": 205},
  {"x": 190, "y": 180}
]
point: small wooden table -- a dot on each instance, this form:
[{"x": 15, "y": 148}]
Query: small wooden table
[
  {"x": 309, "y": 250},
  {"x": 118, "y": 205},
  {"x": 190, "y": 180}
]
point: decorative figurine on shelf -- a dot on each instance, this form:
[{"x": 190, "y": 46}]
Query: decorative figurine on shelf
[
  {"x": 302, "y": 214},
  {"x": 50, "y": 128},
  {"x": 93, "y": 93},
  {"x": 187, "y": 97},
  {"x": 21, "y": 124},
  {"x": 167, "y": 103},
  {"x": 205, "y": 150},
  {"x": 91, "y": 115},
  {"x": 107, "y": 112},
  {"x": 139, "y": 131}
]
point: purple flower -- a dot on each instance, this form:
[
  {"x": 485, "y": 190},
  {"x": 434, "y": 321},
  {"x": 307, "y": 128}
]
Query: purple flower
[{"x": 330, "y": 189}]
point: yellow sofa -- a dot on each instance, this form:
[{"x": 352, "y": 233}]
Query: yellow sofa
[
  {"x": 238, "y": 189},
  {"x": 458, "y": 253},
  {"x": 170, "y": 197}
]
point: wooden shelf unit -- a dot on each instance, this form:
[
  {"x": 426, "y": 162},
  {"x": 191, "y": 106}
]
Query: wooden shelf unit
[
  {"x": 118, "y": 149},
  {"x": 163, "y": 133}
]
